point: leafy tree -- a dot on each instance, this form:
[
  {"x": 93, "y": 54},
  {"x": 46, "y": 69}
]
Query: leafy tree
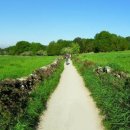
[
  {"x": 128, "y": 40},
  {"x": 22, "y": 46},
  {"x": 51, "y": 48},
  {"x": 10, "y": 50},
  {"x": 105, "y": 41},
  {"x": 54, "y": 48},
  {"x": 35, "y": 47},
  {"x": 79, "y": 41},
  {"x": 41, "y": 53},
  {"x": 27, "y": 53},
  {"x": 75, "y": 48},
  {"x": 66, "y": 50},
  {"x": 1, "y": 51},
  {"x": 122, "y": 43}
]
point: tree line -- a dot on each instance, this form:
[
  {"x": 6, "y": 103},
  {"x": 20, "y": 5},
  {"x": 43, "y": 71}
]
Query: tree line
[
  {"x": 25, "y": 48},
  {"x": 102, "y": 42}
]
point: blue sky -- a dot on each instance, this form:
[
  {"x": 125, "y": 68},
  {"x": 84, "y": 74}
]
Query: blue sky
[{"x": 47, "y": 20}]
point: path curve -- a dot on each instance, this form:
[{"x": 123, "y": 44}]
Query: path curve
[{"x": 71, "y": 107}]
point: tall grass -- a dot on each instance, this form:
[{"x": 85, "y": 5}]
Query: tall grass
[{"x": 18, "y": 66}]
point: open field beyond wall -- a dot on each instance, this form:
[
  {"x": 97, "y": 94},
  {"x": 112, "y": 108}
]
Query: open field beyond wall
[
  {"x": 118, "y": 60},
  {"x": 18, "y": 66}
]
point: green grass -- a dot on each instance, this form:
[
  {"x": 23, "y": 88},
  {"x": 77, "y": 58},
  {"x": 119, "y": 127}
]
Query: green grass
[
  {"x": 111, "y": 94},
  {"x": 38, "y": 100},
  {"x": 118, "y": 60},
  {"x": 18, "y": 66}
]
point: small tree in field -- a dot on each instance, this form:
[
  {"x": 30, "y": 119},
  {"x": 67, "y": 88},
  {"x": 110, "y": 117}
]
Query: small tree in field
[
  {"x": 75, "y": 48},
  {"x": 66, "y": 50}
]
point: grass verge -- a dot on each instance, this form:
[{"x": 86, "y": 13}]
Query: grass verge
[
  {"x": 110, "y": 94},
  {"x": 38, "y": 101}
]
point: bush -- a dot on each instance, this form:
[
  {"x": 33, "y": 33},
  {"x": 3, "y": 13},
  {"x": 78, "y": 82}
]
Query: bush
[{"x": 27, "y": 53}]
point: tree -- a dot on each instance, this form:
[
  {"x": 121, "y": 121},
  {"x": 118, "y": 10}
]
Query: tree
[
  {"x": 41, "y": 53},
  {"x": 10, "y": 50},
  {"x": 66, "y": 50},
  {"x": 75, "y": 48},
  {"x": 51, "y": 48},
  {"x": 79, "y": 41},
  {"x": 35, "y": 47},
  {"x": 128, "y": 40},
  {"x": 54, "y": 48},
  {"x": 105, "y": 41},
  {"x": 22, "y": 46},
  {"x": 1, "y": 51}
]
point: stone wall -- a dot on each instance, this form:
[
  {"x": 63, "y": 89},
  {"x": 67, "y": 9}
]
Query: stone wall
[{"x": 14, "y": 93}]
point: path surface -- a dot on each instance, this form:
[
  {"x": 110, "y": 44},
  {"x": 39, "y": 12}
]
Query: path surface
[{"x": 70, "y": 106}]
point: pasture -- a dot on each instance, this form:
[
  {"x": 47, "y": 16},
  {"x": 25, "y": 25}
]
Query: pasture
[
  {"x": 18, "y": 66},
  {"x": 117, "y": 60}
]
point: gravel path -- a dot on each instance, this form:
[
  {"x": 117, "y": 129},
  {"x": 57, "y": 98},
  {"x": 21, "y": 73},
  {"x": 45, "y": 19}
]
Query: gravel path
[{"x": 71, "y": 107}]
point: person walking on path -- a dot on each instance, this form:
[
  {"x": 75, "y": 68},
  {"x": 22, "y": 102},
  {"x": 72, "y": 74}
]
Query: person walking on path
[
  {"x": 71, "y": 106},
  {"x": 67, "y": 56}
]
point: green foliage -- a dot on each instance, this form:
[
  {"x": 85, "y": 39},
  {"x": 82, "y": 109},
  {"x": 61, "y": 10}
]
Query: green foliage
[
  {"x": 36, "y": 47},
  {"x": 75, "y": 48},
  {"x": 1, "y": 51},
  {"x": 128, "y": 40},
  {"x": 51, "y": 49},
  {"x": 17, "y": 66},
  {"x": 41, "y": 53},
  {"x": 54, "y": 48},
  {"x": 67, "y": 50},
  {"x": 27, "y": 53},
  {"x": 102, "y": 42},
  {"x": 24, "y": 48},
  {"x": 105, "y": 41},
  {"x": 13, "y": 101},
  {"x": 110, "y": 93}
]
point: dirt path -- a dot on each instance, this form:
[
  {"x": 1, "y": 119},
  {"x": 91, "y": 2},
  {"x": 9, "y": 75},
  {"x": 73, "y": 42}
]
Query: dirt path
[{"x": 70, "y": 106}]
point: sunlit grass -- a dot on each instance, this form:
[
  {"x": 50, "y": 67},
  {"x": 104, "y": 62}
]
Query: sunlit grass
[
  {"x": 114, "y": 59},
  {"x": 17, "y": 66}
]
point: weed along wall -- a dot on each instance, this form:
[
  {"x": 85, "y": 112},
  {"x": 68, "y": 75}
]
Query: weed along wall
[{"x": 15, "y": 93}]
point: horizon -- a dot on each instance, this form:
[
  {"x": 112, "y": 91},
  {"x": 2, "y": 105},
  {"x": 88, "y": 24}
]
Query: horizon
[
  {"x": 55, "y": 40},
  {"x": 46, "y": 21}
]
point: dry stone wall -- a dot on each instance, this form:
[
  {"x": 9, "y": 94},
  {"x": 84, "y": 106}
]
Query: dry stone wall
[{"x": 14, "y": 93}]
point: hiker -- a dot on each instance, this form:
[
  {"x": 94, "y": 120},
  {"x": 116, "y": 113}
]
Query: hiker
[{"x": 67, "y": 56}]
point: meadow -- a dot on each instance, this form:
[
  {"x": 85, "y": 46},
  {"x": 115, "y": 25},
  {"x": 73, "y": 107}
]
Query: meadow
[
  {"x": 18, "y": 66},
  {"x": 118, "y": 60}
]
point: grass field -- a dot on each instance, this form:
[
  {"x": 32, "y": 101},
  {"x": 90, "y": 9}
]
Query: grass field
[
  {"x": 117, "y": 60},
  {"x": 18, "y": 66}
]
